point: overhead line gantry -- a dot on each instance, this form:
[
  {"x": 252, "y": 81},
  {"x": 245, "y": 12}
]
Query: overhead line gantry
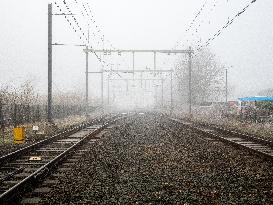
[{"x": 188, "y": 52}]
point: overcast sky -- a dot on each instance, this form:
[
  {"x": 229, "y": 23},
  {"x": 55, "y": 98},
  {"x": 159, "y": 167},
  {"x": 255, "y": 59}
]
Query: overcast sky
[{"x": 246, "y": 45}]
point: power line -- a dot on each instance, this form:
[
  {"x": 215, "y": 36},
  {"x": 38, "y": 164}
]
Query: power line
[
  {"x": 69, "y": 22},
  {"x": 75, "y": 20},
  {"x": 196, "y": 30},
  {"x": 228, "y": 23},
  {"x": 88, "y": 9},
  {"x": 197, "y": 15},
  {"x": 74, "y": 24},
  {"x": 88, "y": 17},
  {"x": 91, "y": 20},
  {"x": 87, "y": 14},
  {"x": 75, "y": 30},
  {"x": 194, "y": 21}
]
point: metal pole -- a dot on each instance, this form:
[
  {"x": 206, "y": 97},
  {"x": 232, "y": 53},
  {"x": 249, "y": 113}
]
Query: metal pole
[
  {"x": 145, "y": 84},
  {"x": 162, "y": 89},
  {"x": 171, "y": 91},
  {"x": 49, "y": 96},
  {"x": 141, "y": 79},
  {"x": 155, "y": 97},
  {"x": 1, "y": 113},
  {"x": 108, "y": 89},
  {"x": 102, "y": 75},
  {"x": 102, "y": 89},
  {"x": 86, "y": 73},
  {"x": 133, "y": 64},
  {"x": 133, "y": 60},
  {"x": 86, "y": 79},
  {"x": 190, "y": 88},
  {"x": 153, "y": 84},
  {"x": 2, "y": 124},
  {"x": 127, "y": 86},
  {"x": 154, "y": 60},
  {"x": 226, "y": 87}
]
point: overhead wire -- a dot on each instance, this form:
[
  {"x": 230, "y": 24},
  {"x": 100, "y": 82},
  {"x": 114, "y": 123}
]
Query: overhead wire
[
  {"x": 92, "y": 19},
  {"x": 227, "y": 24},
  {"x": 83, "y": 35},
  {"x": 89, "y": 18},
  {"x": 89, "y": 13},
  {"x": 75, "y": 20},
  {"x": 196, "y": 30},
  {"x": 69, "y": 22},
  {"x": 197, "y": 15}
]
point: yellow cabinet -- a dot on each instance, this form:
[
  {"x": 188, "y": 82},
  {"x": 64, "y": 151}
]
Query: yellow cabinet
[{"x": 19, "y": 135}]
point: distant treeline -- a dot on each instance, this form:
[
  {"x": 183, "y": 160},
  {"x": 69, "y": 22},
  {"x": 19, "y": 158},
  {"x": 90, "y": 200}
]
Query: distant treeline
[
  {"x": 22, "y": 105},
  {"x": 16, "y": 114}
]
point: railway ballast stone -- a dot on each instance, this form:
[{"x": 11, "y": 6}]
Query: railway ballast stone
[{"x": 149, "y": 160}]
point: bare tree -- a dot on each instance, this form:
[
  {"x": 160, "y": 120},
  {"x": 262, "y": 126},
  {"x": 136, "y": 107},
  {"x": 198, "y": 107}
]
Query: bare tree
[
  {"x": 207, "y": 78},
  {"x": 23, "y": 104}
]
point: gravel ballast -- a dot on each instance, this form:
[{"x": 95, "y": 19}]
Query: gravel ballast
[{"x": 148, "y": 160}]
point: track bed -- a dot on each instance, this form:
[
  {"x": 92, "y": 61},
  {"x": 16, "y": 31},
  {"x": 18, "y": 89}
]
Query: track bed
[{"x": 147, "y": 159}]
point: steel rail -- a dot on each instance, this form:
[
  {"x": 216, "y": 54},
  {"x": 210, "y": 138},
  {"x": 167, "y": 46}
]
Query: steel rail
[
  {"x": 64, "y": 132},
  {"x": 235, "y": 132},
  {"x": 29, "y": 182},
  {"x": 254, "y": 144}
]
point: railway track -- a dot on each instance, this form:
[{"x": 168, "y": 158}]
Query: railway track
[
  {"x": 21, "y": 170},
  {"x": 251, "y": 143},
  {"x": 147, "y": 158}
]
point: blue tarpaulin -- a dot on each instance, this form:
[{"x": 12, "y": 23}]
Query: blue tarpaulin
[{"x": 257, "y": 99}]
